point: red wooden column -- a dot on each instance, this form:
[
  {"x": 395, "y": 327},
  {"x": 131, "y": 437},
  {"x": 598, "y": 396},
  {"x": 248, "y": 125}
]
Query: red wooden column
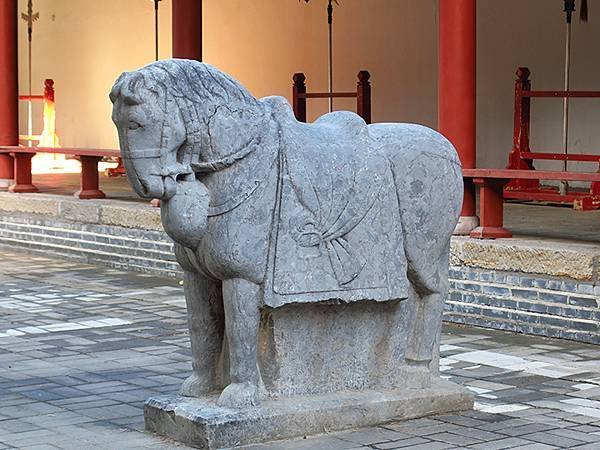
[
  {"x": 491, "y": 204},
  {"x": 9, "y": 95},
  {"x": 457, "y": 88},
  {"x": 187, "y": 29}
]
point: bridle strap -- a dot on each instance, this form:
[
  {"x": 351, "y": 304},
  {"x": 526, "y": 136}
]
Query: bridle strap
[{"x": 145, "y": 153}]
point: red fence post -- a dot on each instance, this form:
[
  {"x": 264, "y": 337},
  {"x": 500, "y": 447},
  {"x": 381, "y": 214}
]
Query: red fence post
[
  {"x": 9, "y": 96},
  {"x": 521, "y": 126},
  {"x": 363, "y": 95},
  {"x": 49, "y": 90},
  {"x": 23, "y": 181},
  {"x": 298, "y": 100}
]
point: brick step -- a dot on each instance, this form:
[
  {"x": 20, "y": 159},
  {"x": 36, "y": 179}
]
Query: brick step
[
  {"x": 94, "y": 233},
  {"x": 107, "y": 244},
  {"x": 525, "y": 303},
  {"x": 577, "y": 307},
  {"x": 524, "y": 317},
  {"x": 135, "y": 249},
  {"x": 520, "y": 327}
]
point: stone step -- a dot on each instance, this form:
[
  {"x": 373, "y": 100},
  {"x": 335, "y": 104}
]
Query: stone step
[
  {"x": 526, "y": 303},
  {"x": 138, "y": 250}
]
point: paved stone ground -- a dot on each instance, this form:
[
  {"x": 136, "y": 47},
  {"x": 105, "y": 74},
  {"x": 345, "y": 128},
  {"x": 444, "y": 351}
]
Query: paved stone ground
[{"x": 82, "y": 347}]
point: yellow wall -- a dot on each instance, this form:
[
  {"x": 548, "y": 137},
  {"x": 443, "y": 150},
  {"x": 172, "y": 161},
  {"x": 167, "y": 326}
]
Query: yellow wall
[{"x": 84, "y": 44}]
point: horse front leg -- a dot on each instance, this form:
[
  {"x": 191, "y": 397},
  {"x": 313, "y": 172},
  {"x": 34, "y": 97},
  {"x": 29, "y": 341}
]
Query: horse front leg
[
  {"x": 242, "y": 318},
  {"x": 206, "y": 324}
]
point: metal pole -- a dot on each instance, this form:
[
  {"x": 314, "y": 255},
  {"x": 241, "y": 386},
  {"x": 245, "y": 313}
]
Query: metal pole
[
  {"x": 156, "y": 30},
  {"x": 29, "y": 106},
  {"x": 30, "y": 17},
  {"x": 569, "y": 9},
  {"x": 330, "y": 23}
]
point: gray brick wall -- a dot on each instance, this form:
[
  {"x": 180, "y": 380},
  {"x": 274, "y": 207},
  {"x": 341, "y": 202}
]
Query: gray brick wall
[
  {"x": 524, "y": 303},
  {"x": 126, "y": 248}
]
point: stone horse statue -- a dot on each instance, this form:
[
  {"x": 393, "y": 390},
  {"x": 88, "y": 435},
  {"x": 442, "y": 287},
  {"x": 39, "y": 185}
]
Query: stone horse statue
[{"x": 266, "y": 211}]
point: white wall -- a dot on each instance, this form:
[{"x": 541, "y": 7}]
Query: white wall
[
  {"x": 85, "y": 44},
  {"x": 531, "y": 33}
]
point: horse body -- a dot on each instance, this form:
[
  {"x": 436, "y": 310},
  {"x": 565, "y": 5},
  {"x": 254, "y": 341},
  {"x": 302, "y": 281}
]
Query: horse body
[{"x": 237, "y": 181}]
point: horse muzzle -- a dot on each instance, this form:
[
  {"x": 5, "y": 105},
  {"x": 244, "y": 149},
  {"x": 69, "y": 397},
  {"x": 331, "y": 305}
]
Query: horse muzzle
[{"x": 145, "y": 176}]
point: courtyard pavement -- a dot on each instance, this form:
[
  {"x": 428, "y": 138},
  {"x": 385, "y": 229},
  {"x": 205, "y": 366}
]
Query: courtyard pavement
[{"x": 82, "y": 347}]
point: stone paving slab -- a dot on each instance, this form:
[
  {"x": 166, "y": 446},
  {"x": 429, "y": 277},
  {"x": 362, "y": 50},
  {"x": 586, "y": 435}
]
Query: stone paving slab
[{"x": 81, "y": 348}]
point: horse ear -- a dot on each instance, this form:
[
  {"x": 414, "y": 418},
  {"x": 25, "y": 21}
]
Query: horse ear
[{"x": 116, "y": 89}]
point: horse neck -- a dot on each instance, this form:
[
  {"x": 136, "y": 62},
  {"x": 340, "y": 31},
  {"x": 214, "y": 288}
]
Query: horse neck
[{"x": 243, "y": 173}]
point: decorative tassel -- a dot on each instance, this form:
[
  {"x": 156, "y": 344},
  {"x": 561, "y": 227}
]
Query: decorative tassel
[{"x": 583, "y": 11}]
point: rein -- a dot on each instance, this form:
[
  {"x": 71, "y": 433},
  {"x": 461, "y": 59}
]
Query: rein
[{"x": 208, "y": 167}]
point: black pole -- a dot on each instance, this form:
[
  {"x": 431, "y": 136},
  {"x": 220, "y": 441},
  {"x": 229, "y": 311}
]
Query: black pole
[
  {"x": 156, "y": 29},
  {"x": 569, "y": 9},
  {"x": 330, "y": 23}
]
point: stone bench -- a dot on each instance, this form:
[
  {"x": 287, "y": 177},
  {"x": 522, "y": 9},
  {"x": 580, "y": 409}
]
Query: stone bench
[{"x": 491, "y": 184}]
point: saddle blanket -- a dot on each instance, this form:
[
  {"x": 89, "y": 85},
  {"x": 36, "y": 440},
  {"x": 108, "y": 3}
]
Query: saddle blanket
[{"x": 337, "y": 234}]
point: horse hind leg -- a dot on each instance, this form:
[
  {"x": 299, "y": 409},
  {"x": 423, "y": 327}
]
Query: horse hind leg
[{"x": 429, "y": 289}]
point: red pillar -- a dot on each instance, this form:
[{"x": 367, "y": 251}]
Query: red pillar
[
  {"x": 457, "y": 87},
  {"x": 9, "y": 95},
  {"x": 187, "y": 29}
]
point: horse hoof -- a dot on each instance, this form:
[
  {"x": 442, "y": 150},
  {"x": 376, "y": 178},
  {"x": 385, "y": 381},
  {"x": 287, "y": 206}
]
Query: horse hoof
[
  {"x": 418, "y": 376},
  {"x": 194, "y": 386},
  {"x": 238, "y": 395}
]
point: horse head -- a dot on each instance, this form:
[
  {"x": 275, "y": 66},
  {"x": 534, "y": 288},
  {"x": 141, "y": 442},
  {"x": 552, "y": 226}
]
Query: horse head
[{"x": 175, "y": 116}]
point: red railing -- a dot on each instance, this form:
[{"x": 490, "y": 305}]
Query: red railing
[
  {"x": 362, "y": 95},
  {"x": 521, "y": 157}
]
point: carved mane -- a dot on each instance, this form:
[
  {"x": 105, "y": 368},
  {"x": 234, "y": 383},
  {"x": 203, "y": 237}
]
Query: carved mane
[{"x": 199, "y": 90}]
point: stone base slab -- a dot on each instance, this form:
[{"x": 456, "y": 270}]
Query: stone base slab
[{"x": 202, "y": 424}]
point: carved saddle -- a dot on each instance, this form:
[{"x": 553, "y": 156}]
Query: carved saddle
[{"x": 337, "y": 234}]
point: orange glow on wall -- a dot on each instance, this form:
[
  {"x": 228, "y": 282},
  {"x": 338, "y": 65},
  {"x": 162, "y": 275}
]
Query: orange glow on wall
[{"x": 49, "y": 138}]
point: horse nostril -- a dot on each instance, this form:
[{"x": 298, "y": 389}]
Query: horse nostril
[{"x": 180, "y": 177}]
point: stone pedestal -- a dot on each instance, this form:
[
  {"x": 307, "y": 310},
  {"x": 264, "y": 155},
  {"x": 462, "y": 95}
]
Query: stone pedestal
[
  {"x": 325, "y": 367},
  {"x": 201, "y": 423}
]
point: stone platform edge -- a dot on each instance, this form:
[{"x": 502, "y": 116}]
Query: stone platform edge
[
  {"x": 548, "y": 257},
  {"x": 543, "y": 256},
  {"x": 202, "y": 424},
  {"x": 121, "y": 213}
]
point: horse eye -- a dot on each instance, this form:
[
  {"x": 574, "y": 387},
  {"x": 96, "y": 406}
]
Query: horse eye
[{"x": 133, "y": 125}]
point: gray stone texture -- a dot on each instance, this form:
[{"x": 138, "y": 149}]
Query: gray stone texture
[
  {"x": 203, "y": 423},
  {"x": 315, "y": 256}
]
